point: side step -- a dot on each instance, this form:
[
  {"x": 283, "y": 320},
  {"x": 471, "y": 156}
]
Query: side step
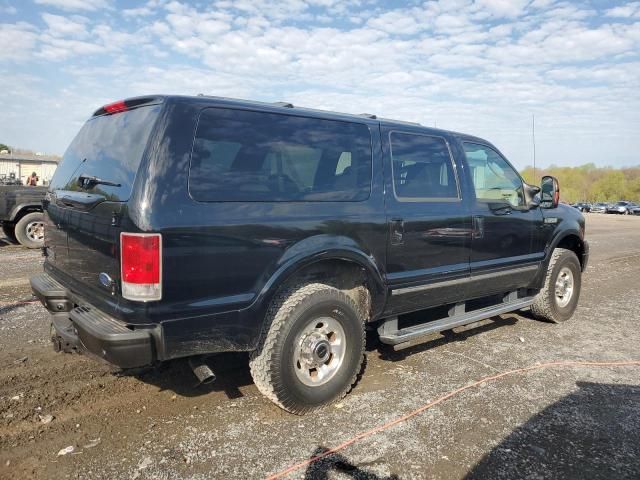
[{"x": 391, "y": 335}]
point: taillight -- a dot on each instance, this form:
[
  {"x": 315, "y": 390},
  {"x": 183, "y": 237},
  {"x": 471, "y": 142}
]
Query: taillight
[{"x": 141, "y": 266}]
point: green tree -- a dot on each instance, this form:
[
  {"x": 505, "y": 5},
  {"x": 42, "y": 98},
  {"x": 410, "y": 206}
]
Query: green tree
[{"x": 590, "y": 183}]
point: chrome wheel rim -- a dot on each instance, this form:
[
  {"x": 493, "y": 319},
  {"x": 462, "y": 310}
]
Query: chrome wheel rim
[
  {"x": 564, "y": 287},
  {"x": 35, "y": 231},
  {"x": 319, "y": 351}
]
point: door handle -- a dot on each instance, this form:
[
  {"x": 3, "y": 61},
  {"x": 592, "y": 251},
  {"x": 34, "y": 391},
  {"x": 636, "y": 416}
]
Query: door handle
[
  {"x": 501, "y": 208},
  {"x": 397, "y": 231}
]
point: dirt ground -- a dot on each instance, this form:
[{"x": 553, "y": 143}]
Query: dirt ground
[{"x": 560, "y": 422}]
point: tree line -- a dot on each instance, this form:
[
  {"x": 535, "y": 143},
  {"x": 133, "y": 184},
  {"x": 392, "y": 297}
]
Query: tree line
[{"x": 590, "y": 183}]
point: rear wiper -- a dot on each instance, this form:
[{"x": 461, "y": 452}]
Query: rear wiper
[{"x": 87, "y": 181}]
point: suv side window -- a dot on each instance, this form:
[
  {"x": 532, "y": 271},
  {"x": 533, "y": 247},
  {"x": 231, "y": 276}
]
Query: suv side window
[
  {"x": 422, "y": 168},
  {"x": 493, "y": 178},
  {"x": 246, "y": 156}
]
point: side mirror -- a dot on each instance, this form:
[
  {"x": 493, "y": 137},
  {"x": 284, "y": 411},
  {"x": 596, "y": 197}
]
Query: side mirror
[{"x": 549, "y": 192}]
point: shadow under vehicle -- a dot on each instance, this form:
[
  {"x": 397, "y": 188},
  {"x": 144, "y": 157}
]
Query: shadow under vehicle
[{"x": 592, "y": 433}]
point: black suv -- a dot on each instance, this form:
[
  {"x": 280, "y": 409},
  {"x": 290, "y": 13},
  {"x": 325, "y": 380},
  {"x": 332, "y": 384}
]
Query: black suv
[{"x": 186, "y": 226}]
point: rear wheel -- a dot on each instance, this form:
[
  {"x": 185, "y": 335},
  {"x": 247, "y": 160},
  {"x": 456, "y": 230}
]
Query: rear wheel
[
  {"x": 558, "y": 299},
  {"x": 30, "y": 230},
  {"x": 9, "y": 230},
  {"x": 311, "y": 350}
]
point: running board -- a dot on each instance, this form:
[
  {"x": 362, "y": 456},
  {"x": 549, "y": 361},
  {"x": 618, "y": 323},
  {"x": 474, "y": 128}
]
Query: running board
[{"x": 391, "y": 335}]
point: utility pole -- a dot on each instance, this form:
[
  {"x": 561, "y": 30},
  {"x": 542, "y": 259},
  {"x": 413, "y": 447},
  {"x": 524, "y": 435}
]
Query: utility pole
[{"x": 533, "y": 138}]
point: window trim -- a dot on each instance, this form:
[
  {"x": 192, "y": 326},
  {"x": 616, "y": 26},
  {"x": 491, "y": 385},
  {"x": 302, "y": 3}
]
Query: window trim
[
  {"x": 497, "y": 152},
  {"x": 287, "y": 114},
  {"x": 457, "y": 199}
]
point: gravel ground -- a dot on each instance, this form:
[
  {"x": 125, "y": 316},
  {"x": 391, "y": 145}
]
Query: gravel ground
[{"x": 560, "y": 422}]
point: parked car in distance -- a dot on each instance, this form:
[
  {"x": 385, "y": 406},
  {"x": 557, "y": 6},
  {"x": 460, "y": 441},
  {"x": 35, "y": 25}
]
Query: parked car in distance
[
  {"x": 599, "y": 207},
  {"x": 582, "y": 206},
  {"x": 189, "y": 226},
  {"x": 620, "y": 208},
  {"x": 635, "y": 210},
  {"x": 21, "y": 214}
]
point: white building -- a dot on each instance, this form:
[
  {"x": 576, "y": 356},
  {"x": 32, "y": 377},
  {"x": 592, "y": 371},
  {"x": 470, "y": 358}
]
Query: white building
[{"x": 22, "y": 166}]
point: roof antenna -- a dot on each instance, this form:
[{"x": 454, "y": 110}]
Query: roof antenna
[{"x": 533, "y": 138}]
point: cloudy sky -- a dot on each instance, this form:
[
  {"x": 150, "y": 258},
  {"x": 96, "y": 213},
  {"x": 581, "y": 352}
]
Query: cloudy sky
[{"x": 478, "y": 66}]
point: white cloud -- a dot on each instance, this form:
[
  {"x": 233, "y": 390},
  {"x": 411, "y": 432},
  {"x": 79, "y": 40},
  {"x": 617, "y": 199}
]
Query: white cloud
[
  {"x": 61, "y": 49},
  {"x": 631, "y": 10},
  {"x": 71, "y": 5},
  {"x": 399, "y": 22},
  {"x": 21, "y": 37},
  {"x": 8, "y": 9},
  {"x": 147, "y": 9},
  {"x": 503, "y": 8},
  {"x": 61, "y": 26}
]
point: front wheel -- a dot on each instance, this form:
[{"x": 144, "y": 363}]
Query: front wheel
[
  {"x": 558, "y": 299},
  {"x": 311, "y": 349},
  {"x": 30, "y": 230}
]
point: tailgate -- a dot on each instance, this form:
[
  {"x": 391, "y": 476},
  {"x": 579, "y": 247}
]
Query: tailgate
[{"x": 87, "y": 196}]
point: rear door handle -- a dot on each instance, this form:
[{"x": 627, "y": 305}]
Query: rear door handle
[{"x": 397, "y": 231}]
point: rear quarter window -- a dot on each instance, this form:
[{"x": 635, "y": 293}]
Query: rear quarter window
[{"x": 250, "y": 156}]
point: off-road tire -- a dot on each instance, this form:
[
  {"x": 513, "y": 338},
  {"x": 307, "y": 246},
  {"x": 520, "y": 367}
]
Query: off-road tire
[
  {"x": 271, "y": 364},
  {"x": 9, "y": 230},
  {"x": 21, "y": 230},
  {"x": 545, "y": 305}
]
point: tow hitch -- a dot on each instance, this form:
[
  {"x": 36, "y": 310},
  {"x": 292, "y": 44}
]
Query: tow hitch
[{"x": 60, "y": 345}]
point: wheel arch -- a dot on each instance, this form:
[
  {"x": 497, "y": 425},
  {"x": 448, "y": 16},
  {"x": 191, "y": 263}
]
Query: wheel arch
[
  {"x": 571, "y": 241},
  {"x": 335, "y": 266},
  {"x": 568, "y": 239},
  {"x": 23, "y": 209}
]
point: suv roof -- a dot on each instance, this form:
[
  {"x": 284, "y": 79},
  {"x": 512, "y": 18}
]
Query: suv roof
[{"x": 278, "y": 106}]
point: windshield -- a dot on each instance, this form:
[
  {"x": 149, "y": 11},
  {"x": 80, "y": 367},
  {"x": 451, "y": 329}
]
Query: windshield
[{"x": 109, "y": 147}]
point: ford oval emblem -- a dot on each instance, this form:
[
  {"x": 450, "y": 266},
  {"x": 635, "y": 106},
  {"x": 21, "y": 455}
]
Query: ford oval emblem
[{"x": 105, "y": 280}]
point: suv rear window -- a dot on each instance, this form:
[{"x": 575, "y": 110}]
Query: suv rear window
[
  {"x": 242, "y": 155},
  {"x": 109, "y": 147}
]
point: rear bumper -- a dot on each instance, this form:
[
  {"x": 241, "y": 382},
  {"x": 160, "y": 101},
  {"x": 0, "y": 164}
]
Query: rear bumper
[{"x": 86, "y": 328}]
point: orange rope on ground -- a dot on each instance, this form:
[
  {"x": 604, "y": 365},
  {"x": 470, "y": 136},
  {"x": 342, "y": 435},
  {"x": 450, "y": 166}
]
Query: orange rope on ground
[{"x": 441, "y": 399}]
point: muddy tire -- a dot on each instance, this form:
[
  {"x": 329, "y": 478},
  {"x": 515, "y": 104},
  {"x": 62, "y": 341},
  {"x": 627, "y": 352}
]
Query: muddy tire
[
  {"x": 30, "y": 230},
  {"x": 9, "y": 230},
  {"x": 311, "y": 348},
  {"x": 558, "y": 299}
]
